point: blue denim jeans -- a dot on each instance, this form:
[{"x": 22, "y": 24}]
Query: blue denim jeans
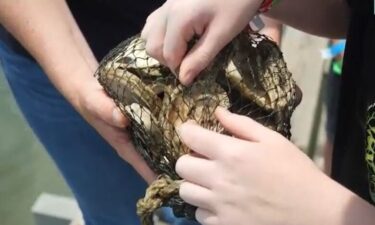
[
  {"x": 106, "y": 187},
  {"x": 166, "y": 215}
]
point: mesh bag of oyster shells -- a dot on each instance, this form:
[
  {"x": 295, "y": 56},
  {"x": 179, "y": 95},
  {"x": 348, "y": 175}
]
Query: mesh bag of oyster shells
[{"x": 248, "y": 77}]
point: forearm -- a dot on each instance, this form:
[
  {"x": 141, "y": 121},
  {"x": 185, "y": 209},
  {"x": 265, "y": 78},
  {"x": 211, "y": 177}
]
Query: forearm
[
  {"x": 327, "y": 202},
  {"x": 329, "y": 18},
  {"x": 48, "y": 31}
]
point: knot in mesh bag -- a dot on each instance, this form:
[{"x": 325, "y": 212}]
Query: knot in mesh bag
[{"x": 248, "y": 77}]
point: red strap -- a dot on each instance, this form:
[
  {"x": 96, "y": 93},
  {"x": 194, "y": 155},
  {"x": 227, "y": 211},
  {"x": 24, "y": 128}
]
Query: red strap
[{"x": 265, "y": 6}]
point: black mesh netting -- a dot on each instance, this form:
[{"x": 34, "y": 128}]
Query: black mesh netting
[{"x": 248, "y": 77}]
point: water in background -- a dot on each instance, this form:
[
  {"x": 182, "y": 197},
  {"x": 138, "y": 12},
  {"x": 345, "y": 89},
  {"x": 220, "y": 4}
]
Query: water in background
[{"x": 25, "y": 168}]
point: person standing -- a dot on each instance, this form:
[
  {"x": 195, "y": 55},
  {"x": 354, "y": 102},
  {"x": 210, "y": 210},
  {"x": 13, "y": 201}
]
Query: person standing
[
  {"x": 49, "y": 51},
  {"x": 256, "y": 176}
]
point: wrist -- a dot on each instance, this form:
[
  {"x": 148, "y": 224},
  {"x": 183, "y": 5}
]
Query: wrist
[
  {"x": 74, "y": 85},
  {"x": 331, "y": 203}
]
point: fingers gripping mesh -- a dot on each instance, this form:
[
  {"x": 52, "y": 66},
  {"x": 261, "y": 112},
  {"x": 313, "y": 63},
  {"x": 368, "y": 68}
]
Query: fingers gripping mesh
[{"x": 248, "y": 77}]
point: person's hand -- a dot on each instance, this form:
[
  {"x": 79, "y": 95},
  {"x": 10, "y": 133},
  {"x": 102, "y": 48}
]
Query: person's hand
[
  {"x": 272, "y": 29},
  {"x": 50, "y": 34},
  {"x": 102, "y": 113},
  {"x": 256, "y": 177},
  {"x": 169, "y": 29}
]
